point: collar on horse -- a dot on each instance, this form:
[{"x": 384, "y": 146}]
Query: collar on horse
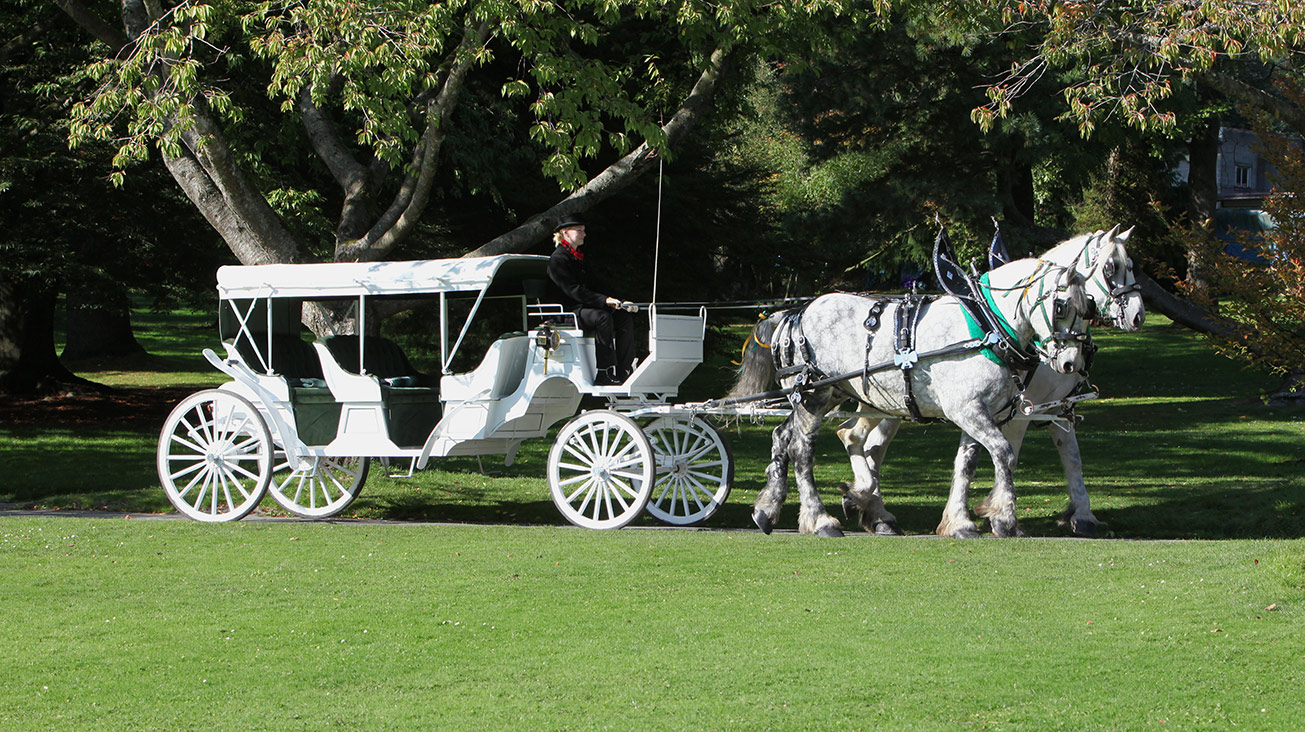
[{"x": 981, "y": 312}]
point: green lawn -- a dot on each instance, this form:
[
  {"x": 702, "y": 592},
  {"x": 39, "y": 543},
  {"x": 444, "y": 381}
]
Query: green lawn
[
  {"x": 136, "y": 624},
  {"x": 500, "y": 618}
]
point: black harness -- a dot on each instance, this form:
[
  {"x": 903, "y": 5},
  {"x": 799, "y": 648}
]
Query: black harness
[
  {"x": 966, "y": 289},
  {"x": 906, "y": 319}
]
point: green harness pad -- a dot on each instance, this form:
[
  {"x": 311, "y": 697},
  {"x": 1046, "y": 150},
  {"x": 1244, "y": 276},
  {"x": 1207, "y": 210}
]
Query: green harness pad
[{"x": 977, "y": 332}]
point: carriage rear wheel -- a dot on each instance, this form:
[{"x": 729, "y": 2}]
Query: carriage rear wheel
[
  {"x": 695, "y": 469},
  {"x": 600, "y": 470},
  {"x": 215, "y": 456},
  {"x": 322, "y": 488}
]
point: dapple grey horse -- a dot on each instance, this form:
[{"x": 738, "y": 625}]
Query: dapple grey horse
[
  {"x": 1102, "y": 259},
  {"x": 947, "y": 376}
]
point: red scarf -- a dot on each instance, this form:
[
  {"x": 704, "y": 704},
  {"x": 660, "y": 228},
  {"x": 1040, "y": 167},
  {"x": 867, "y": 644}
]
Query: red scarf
[{"x": 578, "y": 255}]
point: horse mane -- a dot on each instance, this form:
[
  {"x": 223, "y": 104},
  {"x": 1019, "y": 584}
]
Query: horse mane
[
  {"x": 1076, "y": 294},
  {"x": 1070, "y": 249}
]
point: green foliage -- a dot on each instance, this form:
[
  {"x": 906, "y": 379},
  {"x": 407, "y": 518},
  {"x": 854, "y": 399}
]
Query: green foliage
[
  {"x": 866, "y": 145},
  {"x": 584, "y": 72},
  {"x": 65, "y": 225},
  {"x": 1129, "y": 59},
  {"x": 1263, "y": 293}
]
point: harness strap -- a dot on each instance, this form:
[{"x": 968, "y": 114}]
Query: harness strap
[{"x": 907, "y": 319}]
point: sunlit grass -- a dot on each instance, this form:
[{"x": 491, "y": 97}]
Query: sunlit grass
[
  {"x": 498, "y": 617},
  {"x": 177, "y": 626}
]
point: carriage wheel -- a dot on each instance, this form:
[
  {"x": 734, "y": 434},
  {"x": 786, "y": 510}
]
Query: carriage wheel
[
  {"x": 215, "y": 456},
  {"x": 695, "y": 470},
  {"x": 322, "y": 489},
  {"x": 600, "y": 470}
]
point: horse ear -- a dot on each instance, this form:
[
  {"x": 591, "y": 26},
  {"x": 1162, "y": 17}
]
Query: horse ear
[
  {"x": 1113, "y": 233},
  {"x": 1124, "y": 236}
]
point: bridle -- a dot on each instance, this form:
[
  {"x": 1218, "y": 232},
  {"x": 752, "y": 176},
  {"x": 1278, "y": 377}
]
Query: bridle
[
  {"x": 1053, "y": 306},
  {"x": 1104, "y": 283}
]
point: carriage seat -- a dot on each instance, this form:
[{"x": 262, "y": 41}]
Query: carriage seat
[
  {"x": 382, "y": 357},
  {"x": 411, "y": 397},
  {"x": 292, "y": 358},
  {"x": 499, "y": 374}
]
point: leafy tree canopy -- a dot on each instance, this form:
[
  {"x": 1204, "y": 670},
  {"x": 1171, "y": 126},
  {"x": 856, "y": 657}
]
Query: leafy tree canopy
[{"x": 254, "y": 104}]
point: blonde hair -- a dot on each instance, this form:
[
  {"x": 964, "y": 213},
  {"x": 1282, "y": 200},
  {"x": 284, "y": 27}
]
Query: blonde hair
[{"x": 557, "y": 237}]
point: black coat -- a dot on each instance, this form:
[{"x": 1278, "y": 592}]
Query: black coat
[{"x": 572, "y": 278}]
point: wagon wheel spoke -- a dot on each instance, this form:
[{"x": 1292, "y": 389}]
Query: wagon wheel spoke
[
  {"x": 695, "y": 469},
  {"x": 214, "y": 456},
  {"x": 321, "y": 486},
  {"x": 601, "y": 470}
]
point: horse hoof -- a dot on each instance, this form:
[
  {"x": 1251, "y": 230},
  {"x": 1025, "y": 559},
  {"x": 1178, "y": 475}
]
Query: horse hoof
[
  {"x": 830, "y": 531},
  {"x": 887, "y": 528},
  {"x": 763, "y": 522},
  {"x": 851, "y": 512},
  {"x": 1086, "y": 529},
  {"x": 1007, "y": 531}
]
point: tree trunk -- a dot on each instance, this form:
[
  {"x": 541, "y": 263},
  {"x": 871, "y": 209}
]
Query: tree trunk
[
  {"x": 28, "y": 365},
  {"x": 99, "y": 329},
  {"x": 1015, "y": 184},
  {"x": 1203, "y": 187}
]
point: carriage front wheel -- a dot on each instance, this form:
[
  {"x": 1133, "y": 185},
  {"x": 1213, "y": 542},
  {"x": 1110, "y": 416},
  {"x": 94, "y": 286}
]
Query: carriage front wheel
[
  {"x": 600, "y": 470},
  {"x": 215, "y": 456},
  {"x": 695, "y": 469},
  {"x": 320, "y": 488}
]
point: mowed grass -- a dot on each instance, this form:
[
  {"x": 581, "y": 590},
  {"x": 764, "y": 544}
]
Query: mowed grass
[{"x": 169, "y": 625}]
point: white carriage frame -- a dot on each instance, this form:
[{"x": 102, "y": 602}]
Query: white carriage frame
[{"x": 525, "y": 384}]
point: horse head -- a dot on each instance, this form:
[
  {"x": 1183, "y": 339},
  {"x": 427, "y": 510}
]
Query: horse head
[
  {"x": 1066, "y": 345},
  {"x": 1047, "y": 307},
  {"x": 1110, "y": 281}
]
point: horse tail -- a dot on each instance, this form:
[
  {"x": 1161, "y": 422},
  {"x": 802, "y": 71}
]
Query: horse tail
[{"x": 757, "y": 366}]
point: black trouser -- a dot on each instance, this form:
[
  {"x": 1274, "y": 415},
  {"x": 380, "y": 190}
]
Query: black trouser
[{"x": 613, "y": 332}]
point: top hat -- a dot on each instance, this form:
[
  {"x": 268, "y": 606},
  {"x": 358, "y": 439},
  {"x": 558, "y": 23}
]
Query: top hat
[{"x": 568, "y": 222}]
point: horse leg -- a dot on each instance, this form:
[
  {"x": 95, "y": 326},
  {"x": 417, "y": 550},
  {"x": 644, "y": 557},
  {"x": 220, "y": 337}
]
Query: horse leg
[
  {"x": 999, "y": 508},
  {"x": 956, "y": 521},
  {"x": 1079, "y": 513},
  {"x": 765, "y": 510},
  {"x": 1014, "y": 431},
  {"x": 866, "y": 441},
  {"x": 812, "y": 516}
]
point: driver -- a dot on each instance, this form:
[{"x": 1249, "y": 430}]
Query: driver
[{"x": 606, "y": 317}]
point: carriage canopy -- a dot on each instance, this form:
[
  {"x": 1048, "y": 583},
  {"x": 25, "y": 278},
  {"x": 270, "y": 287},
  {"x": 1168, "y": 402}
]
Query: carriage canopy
[{"x": 352, "y": 279}]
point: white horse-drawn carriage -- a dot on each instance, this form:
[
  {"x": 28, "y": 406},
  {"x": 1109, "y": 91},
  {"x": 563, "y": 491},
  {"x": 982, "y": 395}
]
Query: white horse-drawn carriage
[{"x": 303, "y": 418}]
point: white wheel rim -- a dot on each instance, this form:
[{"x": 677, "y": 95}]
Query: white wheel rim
[
  {"x": 215, "y": 456},
  {"x": 322, "y": 489},
  {"x": 695, "y": 470},
  {"x": 600, "y": 470}
]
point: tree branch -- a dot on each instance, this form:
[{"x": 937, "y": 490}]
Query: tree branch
[
  {"x": 253, "y": 216},
  {"x": 618, "y": 175},
  {"x": 409, "y": 203},
  {"x": 93, "y": 24},
  {"x": 1234, "y": 88},
  {"x": 349, "y": 173}
]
